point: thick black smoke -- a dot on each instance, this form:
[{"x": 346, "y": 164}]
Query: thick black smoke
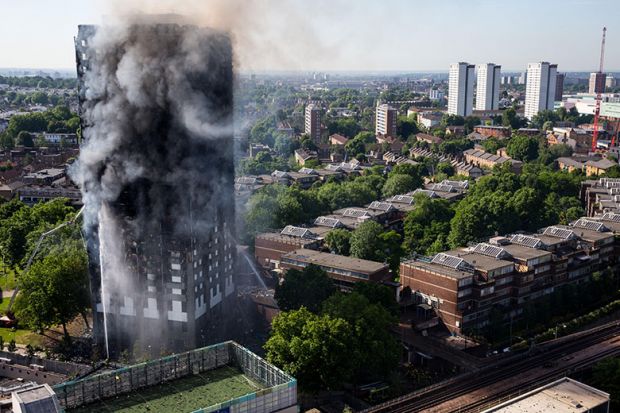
[
  {"x": 156, "y": 173},
  {"x": 157, "y": 108}
]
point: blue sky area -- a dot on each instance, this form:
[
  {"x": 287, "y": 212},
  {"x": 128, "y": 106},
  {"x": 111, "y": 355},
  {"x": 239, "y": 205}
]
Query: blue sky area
[{"x": 407, "y": 35}]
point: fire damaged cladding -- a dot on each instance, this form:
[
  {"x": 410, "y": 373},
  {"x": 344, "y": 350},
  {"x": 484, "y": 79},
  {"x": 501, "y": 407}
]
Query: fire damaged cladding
[{"x": 156, "y": 172}]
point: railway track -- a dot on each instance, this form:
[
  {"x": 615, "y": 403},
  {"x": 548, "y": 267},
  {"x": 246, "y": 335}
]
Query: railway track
[{"x": 435, "y": 395}]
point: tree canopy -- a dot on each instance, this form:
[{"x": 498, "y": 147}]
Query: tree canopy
[
  {"x": 523, "y": 148},
  {"x": 304, "y": 288},
  {"x": 348, "y": 342},
  {"x": 55, "y": 289},
  {"x": 338, "y": 241}
]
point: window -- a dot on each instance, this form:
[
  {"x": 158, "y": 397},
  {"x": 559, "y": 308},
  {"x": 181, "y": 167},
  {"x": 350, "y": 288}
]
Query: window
[{"x": 463, "y": 293}]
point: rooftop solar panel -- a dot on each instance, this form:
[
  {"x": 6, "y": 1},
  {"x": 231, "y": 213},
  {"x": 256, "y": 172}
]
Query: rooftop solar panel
[
  {"x": 356, "y": 213},
  {"x": 457, "y": 184},
  {"x": 447, "y": 260},
  {"x": 430, "y": 194},
  {"x": 402, "y": 199},
  {"x": 558, "y": 232},
  {"x": 442, "y": 188},
  {"x": 381, "y": 206},
  {"x": 294, "y": 231},
  {"x": 526, "y": 241},
  {"x": 589, "y": 224},
  {"x": 611, "y": 217},
  {"x": 328, "y": 222},
  {"x": 490, "y": 250},
  {"x": 308, "y": 171}
]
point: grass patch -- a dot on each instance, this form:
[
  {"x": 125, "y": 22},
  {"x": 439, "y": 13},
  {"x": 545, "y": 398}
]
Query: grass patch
[
  {"x": 21, "y": 337},
  {"x": 7, "y": 278},
  {"x": 183, "y": 395}
]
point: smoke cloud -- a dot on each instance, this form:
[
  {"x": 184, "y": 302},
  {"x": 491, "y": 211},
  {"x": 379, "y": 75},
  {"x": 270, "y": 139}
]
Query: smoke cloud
[
  {"x": 156, "y": 171},
  {"x": 268, "y": 34}
]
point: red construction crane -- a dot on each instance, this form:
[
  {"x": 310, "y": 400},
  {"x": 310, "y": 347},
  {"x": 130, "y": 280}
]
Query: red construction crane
[{"x": 597, "y": 109}]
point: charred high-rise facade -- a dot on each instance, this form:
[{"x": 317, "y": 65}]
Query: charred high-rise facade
[{"x": 156, "y": 172}]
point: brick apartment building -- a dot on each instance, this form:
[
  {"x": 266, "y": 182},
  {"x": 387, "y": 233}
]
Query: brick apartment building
[
  {"x": 508, "y": 272},
  {"x": 344, "y": 271},
  {"x": 601, "y": 196},
  {"x": 269, "y": 247},
  {"x": 499, "y": 132}
]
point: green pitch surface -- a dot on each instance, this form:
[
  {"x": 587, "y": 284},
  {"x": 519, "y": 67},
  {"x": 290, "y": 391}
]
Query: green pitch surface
[{"x": 183, "y": 395}]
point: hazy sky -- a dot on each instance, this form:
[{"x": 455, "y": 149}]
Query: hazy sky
[{"x": 346, "y": 34}]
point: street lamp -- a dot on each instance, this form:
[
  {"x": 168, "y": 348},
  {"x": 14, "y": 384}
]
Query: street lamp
[{"x": 556, "y": 329}]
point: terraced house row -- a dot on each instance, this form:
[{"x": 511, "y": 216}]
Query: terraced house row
[{"x": 464, "y": 285}]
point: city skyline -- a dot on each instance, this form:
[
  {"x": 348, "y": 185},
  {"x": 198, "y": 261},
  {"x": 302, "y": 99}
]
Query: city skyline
[{"x": 341, "y": 38}]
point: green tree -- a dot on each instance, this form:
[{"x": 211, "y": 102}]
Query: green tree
[
  {"x": 304, "y": 288},
  {"x": 523, "y": 148},
  {"x": 24, "y": 138},
  {"x": 355, "y": 147},
  {"x": 378, "y": 294},
  {"x": 375, "y": 351},
  {"x": 400, "y": 184},
  {"x": 337, "y": 240},
  {"x": 491, "y": 145},
  {"x": 365, "y": 241},
  {"x": 452, "y": 120},
  {"x": 544, "y": 116},
  {"x": 6, "y": 141},
  {"x": 510, "y": 118},
  {"x": 316, "y": 350},
  {"x": 391, "y": 249},
  {"x": 55, "y": 289},
  {"x": 406, "y": 126},
  {"x": 606, "y": 376},
  {"x": 426, "y": 224}
]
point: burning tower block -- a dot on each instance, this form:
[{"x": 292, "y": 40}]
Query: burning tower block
[{"x": 157, "y": 176}]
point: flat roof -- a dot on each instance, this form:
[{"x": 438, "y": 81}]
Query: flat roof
[
  {"x": 562, "y": 396},
  {"x": 185, "y": 394},
  {"x": 480, "y": 261},
  {"x": 439, "y": 269},
  {"x": 335, "y": 261},
  {"x": 289, "y": 239},
  {"x": 523, "y": 252},
  {"x": 34, "y": 394}
]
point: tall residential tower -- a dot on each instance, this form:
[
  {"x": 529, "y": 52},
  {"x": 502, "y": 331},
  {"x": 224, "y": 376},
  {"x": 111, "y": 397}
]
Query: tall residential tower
[
  {"x": 313, "y": 122},
  {"x": 385, "y": 120},
  {"x": 540, "y": 88},
  {"x": 461, "y": 89},
  {"x": 487, "y": 91},
  {"x": 157, "y": 177}
]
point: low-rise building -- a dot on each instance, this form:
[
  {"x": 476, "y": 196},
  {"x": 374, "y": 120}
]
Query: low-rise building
[
  {"x": 484, "y": 159},
  {"x": 337, "y": 139},
  {"x": 600, "y": 196},
  {"x": 564, "y": 395},
  {"x": 44, "y": 176},
  {"x": 499, "y": 132},
  {"x": 302, "y": 156},
  {"x": 509, "y": 272},
  {"x": 60, "y": 138},
  {"x": 270, "y": 246},
  {"x": 345, "y": 271},
  {"x": 430, "y": 139},
  {"x": 32, "y": 194},
  {"x": 428, "y": 119},
  {"x": 599, "y": 167},
  {"x": 528, "y": 131}
]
